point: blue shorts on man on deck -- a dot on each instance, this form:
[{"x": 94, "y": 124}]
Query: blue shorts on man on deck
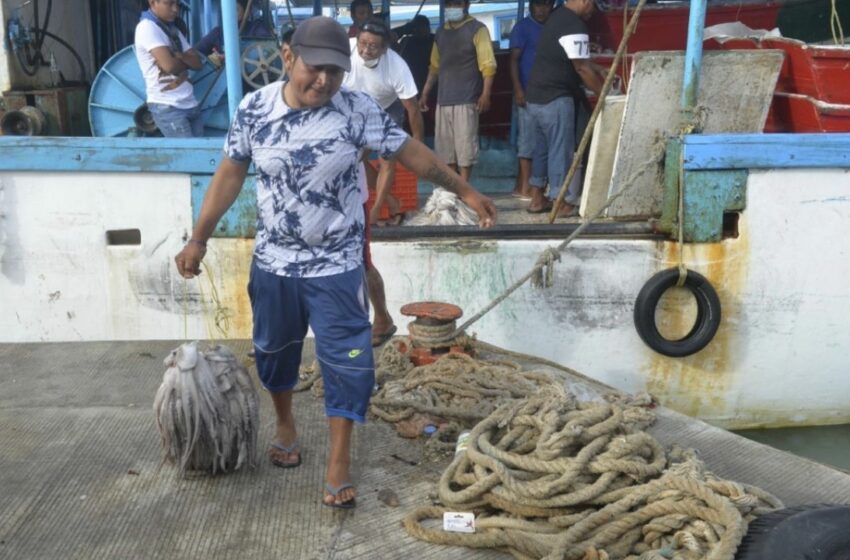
[{"x": 337, "y": 309}]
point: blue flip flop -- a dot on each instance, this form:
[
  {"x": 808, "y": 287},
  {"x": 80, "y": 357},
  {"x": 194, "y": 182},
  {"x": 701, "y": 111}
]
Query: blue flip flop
[
  {"x": 288, "y": 450},
  {"x": 334, "y": 491}
]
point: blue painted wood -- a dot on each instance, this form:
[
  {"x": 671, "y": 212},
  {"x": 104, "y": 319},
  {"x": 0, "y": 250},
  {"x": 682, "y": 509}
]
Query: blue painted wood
[
  {"x": 708, "y": 194},
  {"x": 766, "y": 151},
  {"x": 240, "y": 220},
  {"x": 131, "y": 155}
]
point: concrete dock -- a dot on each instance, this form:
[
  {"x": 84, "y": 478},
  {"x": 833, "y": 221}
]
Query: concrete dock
[{"x": 80, "y": 474}]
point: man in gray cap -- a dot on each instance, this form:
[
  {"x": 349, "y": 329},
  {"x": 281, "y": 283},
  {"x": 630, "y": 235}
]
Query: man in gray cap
[{"x": 304, "y": 137}]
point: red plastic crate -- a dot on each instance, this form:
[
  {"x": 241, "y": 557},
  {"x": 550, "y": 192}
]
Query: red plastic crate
[{"x": 404, "y": 188}]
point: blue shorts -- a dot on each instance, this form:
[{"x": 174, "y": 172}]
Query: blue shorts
[{"x": 337, "y": 309}]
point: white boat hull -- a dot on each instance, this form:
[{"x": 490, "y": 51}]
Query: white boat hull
[{"x": 779, "y": 356}]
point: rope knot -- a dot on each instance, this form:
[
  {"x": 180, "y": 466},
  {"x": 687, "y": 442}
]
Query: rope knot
[{"x": 544, "y": 268}]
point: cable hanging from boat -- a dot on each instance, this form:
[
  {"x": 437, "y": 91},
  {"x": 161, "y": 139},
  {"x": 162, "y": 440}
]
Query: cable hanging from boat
[
  {"x": 835, "y": 25},
  {"x": 30, "y": 56},
  {"x": 74, "y": 53}
]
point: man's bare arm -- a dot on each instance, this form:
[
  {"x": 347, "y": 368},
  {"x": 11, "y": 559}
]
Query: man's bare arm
[
  {"x": 589, "y": 75},
  {"x": 426, "y": 90},
  {"x": 176, "y": 64},
  {"x": 418, "y": 158},
  {"x": 414, "y": 117},
  {"x": 192, "y": 59},
  {"x": 167, "y": 62},
  {"x": 223, "y": 190},
  {"x": 519, "y": 93}
]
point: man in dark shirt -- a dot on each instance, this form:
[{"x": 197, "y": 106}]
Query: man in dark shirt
[
  {"x": 415, "y": 47},
  {"x": 524, "y": 38},
  {"x": 211, "y": 45},
  {"x": 556, "y": 100}
]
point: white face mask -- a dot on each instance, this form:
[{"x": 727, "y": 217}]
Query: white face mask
[
  {"x": 454, "y": 14},
  {"x": 371, "y": 63}
]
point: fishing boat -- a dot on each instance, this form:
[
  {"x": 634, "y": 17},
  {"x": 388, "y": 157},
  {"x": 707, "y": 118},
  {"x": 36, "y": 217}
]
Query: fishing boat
[
  {"x": 90, "y": 225},
  {"x": 664, "y": 24}
]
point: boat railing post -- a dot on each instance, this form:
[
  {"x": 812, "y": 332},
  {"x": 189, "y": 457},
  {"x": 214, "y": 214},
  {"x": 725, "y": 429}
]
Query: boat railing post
[
  {"x": 693, "y": 59},
  {"x": 232, "y": 55},
  {"x": 673, "y": 187}
]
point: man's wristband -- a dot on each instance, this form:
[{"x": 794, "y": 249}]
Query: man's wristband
[{"x": 197, "y": 242}]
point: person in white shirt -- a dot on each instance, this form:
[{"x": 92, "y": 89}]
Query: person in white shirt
[
  {"x": 382, "y": 74},
  {"x": 165, "y": 58}
]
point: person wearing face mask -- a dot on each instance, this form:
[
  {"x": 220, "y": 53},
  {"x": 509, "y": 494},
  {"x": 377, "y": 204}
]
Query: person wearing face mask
[
  {"x": 382, "y": 74},
  {"x": 463, "y": 63}
]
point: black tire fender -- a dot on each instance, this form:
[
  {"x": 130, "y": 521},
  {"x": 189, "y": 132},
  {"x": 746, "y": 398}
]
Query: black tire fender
[
  {"x": 817, "y": 532},
  {"x": 708, "y": 313}
]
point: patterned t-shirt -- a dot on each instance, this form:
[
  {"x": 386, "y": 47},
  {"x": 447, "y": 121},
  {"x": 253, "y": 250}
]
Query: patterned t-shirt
[{"x": 310, "y": 218}]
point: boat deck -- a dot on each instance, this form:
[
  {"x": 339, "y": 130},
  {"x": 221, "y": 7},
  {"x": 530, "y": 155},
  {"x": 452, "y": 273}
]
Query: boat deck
[{"x": 80, "y": 470}]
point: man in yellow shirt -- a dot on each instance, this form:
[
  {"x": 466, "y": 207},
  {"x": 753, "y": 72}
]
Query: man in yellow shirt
[{"x": 465, "y": 73}]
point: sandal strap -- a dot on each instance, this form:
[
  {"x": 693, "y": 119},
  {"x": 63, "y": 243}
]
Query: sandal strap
[
  {"x": 335, "y": 490},
  {"x": 291, "y": 449}
]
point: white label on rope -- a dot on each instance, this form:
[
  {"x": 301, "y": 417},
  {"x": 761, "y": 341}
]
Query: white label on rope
[{"x": 458, "y": 522}]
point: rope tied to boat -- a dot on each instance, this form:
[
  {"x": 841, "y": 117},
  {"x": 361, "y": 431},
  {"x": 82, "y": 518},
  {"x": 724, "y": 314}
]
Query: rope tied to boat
[
  {"x": 649, "y": 165},
  {"x": 436, "y": 336},
  {"x": 544, "y": 268},
  {"x": 551, "y": 477},
  {"x": 456, "y": 388}
]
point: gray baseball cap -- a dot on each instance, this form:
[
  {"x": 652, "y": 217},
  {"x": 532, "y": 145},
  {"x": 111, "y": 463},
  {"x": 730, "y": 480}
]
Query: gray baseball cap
[{"x": 320, "y": 41}]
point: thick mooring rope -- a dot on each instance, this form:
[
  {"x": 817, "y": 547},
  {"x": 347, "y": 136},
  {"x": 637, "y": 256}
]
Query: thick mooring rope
[
  {"x": 455, "y": 388},
  {"x": 436, "y": 336},
  {"x": 552, "y": 478}
]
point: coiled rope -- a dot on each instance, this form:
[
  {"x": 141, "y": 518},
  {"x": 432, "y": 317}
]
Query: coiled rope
[
  {"x": 553, "y": 478},
  {"x": 455, "y": 388}
]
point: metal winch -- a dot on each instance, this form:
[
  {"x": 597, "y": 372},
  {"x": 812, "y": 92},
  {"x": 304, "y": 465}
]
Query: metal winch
[{"x": 431, "y": 333}]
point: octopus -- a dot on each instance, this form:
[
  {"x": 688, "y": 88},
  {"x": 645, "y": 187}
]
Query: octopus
[{"x": 207, "y": 411}]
